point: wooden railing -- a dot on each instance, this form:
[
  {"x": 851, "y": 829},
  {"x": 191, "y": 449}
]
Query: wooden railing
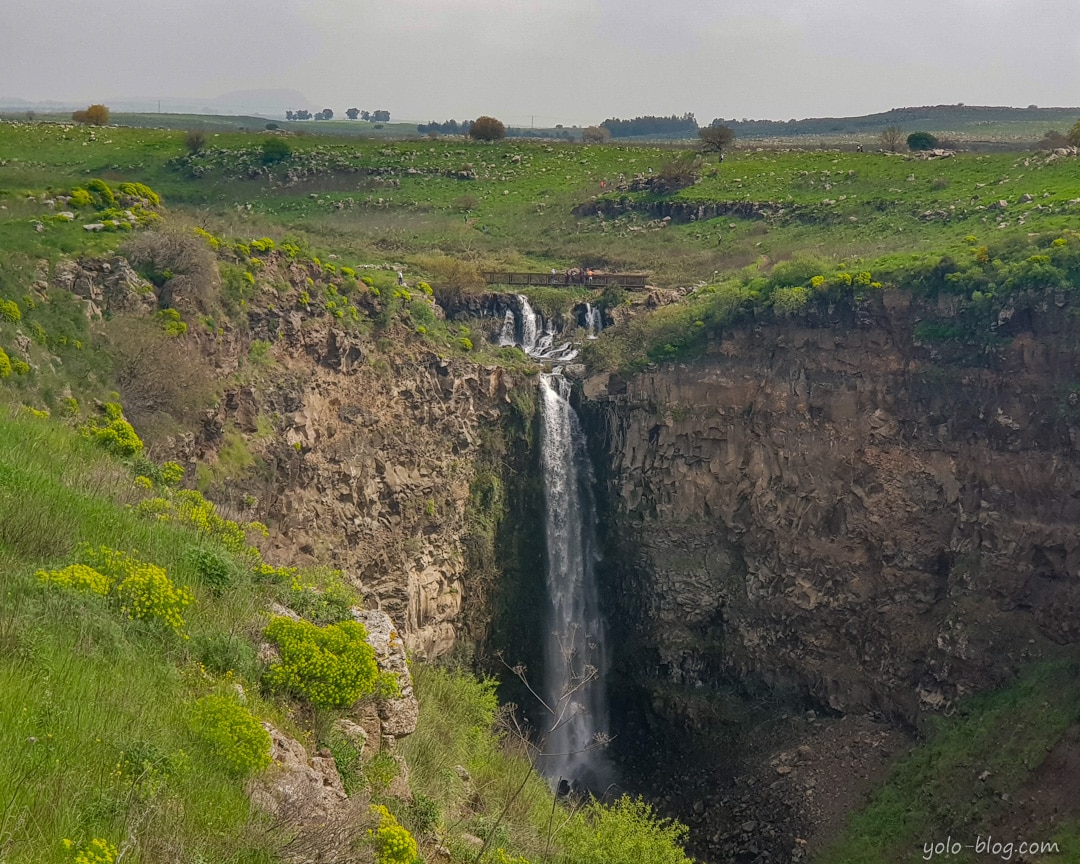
[{"x": 597, "y": 280}]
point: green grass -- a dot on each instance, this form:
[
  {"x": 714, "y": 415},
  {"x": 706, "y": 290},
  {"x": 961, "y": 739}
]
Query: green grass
[
  {"x": 93, "y": 741},
  {"x": 936, "y": 789}
]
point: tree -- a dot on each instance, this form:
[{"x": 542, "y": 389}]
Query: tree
[
  {"x": 365, "y": 115},
  {"x": 195, "y": 140},
  {"x": 352, "y": 113},
  {"x": 325, "y": 114},
  {"x": 891, "y": 138},
  {"x": 1074, "y": 135},
  {"x": 595, "y": 135},
  {"x": 381, "y": 116},
  {"x": 289, "y": 115},
  {"x": 95, "y": 115},
  {"x": 921, "y": 141},
  {"x": 716, "y": 139},
  {"x": 487, "y": 129}
]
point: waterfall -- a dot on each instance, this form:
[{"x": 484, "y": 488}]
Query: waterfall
[
  {"x": 594, "y": 320},
  {"x": 574, "y": 685},
  {"x": 531, "y": 323},
  {"x": 509, "y": 329},
  {"x": 538, "y": 336}
]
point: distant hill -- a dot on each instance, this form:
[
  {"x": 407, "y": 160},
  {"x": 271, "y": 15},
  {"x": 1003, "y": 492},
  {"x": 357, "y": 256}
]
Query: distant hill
[
  {"x": 974, "y": 121},
  {"x": 267, "y": 103}
]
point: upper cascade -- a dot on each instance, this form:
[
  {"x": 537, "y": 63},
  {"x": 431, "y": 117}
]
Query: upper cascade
[{"x": 540, "y": 338}]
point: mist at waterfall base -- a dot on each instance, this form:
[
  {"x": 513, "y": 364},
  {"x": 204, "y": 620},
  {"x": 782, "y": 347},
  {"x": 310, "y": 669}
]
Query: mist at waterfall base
[{"x": 575, "y": 651}]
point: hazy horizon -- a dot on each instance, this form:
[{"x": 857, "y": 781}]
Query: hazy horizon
[{"x": 552, "y": 61}]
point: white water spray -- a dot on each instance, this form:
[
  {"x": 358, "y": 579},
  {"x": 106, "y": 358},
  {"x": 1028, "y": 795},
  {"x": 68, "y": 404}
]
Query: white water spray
[{"x": 576, "y": 665}]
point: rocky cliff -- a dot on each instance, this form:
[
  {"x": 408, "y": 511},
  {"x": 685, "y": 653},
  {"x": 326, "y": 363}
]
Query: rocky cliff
[
  {"x": 841, "y": 509},
  {"x": 371, "y": 464},
  {"x": 864, "y": 510}
]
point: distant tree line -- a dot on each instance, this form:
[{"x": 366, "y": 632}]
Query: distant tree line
[
  {"x": 328, "y": 114},
  {"x": 453, "y": 127},
  {"x": 447, "y": 127},
  {"x": 675, "y": 126}
]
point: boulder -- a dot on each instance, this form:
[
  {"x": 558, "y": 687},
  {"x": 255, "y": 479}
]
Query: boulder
[{"x": 398, "y": 715}]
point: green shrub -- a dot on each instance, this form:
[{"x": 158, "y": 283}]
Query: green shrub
[
  {"x": 222, "y": 653},
  {"x": 81, "y": 198},
  {"x": 393, "y": 844},
  {"x": 263, "y": 244},
  {"x": 627, "y": 832},
  {"x": 788, "y": 301},
  {"x": 465, "y": 343},
  {"x": 9, "y": 311},
  {"x": 237, "y": 737},
  {"x": 330, "y": 667},
  {"x": 329, "y": 604},
  {"x": 171, "y": 322},
  {"x": 5, "y": 364},
  {"x": 216, "y": 571},
  {"x": 423, "y": 814},
  {"x": 275, "y": 150},
  {"x": 103, "y": 195},
  {"x": 921, "y": 141}
]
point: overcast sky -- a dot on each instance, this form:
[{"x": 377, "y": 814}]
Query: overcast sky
[{"x": 560, "y": 61}]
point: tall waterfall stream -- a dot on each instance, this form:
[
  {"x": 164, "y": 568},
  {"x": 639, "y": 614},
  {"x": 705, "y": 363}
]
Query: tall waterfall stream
[{"x": 575, "y": 648}]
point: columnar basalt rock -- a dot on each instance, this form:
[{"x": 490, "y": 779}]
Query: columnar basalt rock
[{"x": 844, "y": 513}]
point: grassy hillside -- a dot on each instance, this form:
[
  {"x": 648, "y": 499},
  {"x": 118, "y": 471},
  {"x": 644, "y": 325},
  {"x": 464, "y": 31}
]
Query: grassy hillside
[
  {"x": 976, "y": 767},
  {"x": 109, "y": 697}
]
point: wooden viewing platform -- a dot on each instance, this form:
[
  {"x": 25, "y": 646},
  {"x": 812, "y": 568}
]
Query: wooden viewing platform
[{"x": 598, "y": 280}]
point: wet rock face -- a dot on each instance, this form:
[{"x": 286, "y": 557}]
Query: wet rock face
[{"x": 840, "y": 512}]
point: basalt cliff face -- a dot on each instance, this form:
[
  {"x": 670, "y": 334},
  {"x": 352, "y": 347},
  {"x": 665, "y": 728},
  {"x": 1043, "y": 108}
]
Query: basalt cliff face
[
  {"x": 840, "y": 511},
  {"x": 369, "y": 466}
]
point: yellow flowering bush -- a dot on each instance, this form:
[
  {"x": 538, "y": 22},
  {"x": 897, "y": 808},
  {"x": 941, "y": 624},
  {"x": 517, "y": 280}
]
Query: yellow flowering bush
[
  {"x": 5, "y": 364},
  {"x": 330, "y": 667},
  {"x": 233, "y": 733},
  {"x": 172, "y": 473},
  {"x": 393, "y": 843},
  {"x": 189, "y": 507},
  {"x": 96, "y": 851},
  {"x": 9, "y": 311},
  {"x": 113, "y": 432},
  {"x": 149, "y": 593},
  {"x": 77, "y": 577},
  {"x": 140, "y": 190},
  {"x": 213, "y": 241},
  {"x": 143, "y": 591}
]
